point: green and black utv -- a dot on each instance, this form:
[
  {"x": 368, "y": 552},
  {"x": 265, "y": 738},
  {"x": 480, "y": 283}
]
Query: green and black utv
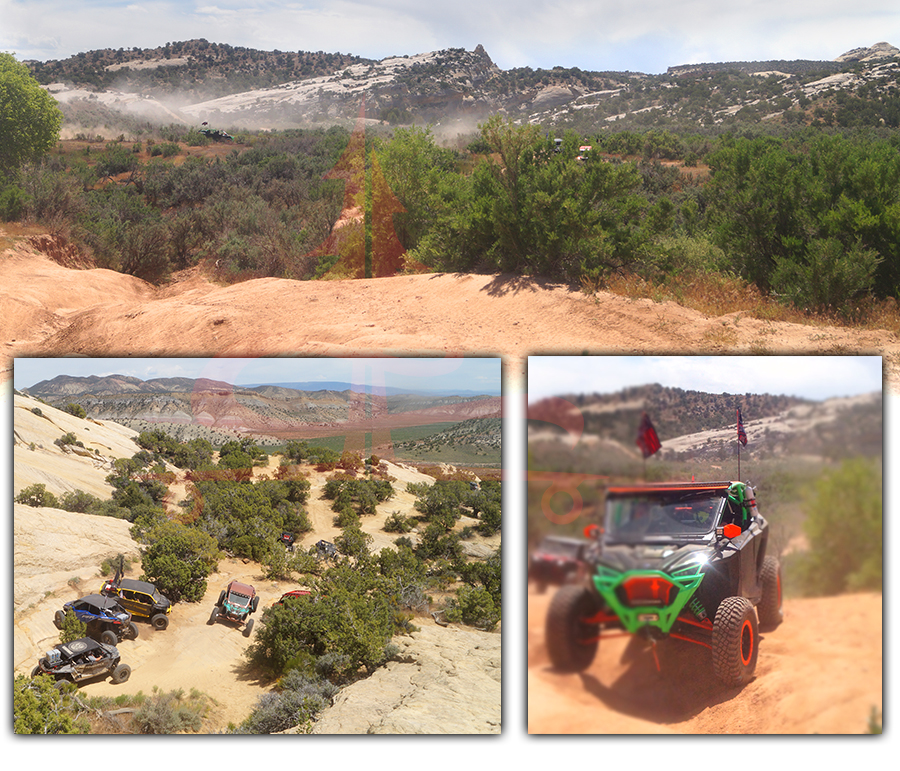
[{"x": 686, "y": 561}]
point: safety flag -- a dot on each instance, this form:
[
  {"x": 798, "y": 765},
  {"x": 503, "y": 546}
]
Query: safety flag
[
  {"x": 742, "y": 435},
  {"x": 647, "y": 439}
]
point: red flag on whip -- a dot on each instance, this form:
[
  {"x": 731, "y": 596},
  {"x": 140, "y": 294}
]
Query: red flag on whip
[
  {"x": 742, "y": 435},
  {"x": 647, "y": 439}
]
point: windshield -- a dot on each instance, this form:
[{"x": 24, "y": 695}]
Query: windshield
[
  {"x": 662, "y": 515},
  {"x": 238, "y": 599}
]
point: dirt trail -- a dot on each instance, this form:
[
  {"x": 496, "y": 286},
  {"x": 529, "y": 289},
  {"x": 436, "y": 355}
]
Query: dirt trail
[
  {"x": 190, "y": 653},
  {"x": 49, "y": 310},
  {"x": 809, "y": 679}
]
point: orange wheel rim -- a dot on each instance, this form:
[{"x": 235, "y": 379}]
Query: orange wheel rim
[{"x": 746, "y": 643}]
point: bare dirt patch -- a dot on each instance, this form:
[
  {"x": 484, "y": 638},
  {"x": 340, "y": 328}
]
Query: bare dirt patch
[
  {"x": 49, "y": 310},
  {"x": 791, "y": 694},
  {"x": 57, "y": 554}
]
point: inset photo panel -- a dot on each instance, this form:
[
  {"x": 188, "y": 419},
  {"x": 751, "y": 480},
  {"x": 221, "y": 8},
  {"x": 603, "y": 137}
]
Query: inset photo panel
[
  {"x": 256, "y": 546},
  {"x": 704, "y": 535}
]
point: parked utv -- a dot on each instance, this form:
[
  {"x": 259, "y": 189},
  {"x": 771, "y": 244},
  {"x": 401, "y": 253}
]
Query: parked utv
[
  {"x": 293, "y": 594},
  {"x": 326, "y": 549},
  {"x": 141, "y": 599},
  {"x": 684, "y": 561},
  {"x": 105, "y": 619},
  {"x": 236, "y": 602},
  {"x": 83, "y": 659},
  {"x": 557, "y": 560},
  {"x": 287, "y": 540}
]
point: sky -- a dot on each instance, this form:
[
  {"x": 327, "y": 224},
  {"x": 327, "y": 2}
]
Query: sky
[
  {"x": 808, "y": 377},
  {"x": 600, "y": 35},
  {"x": 481, "y": 375}
]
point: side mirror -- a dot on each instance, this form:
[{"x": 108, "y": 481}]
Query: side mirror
[
  {"x": 729, "y": 531},
  {"x": 594, "y": 532}
]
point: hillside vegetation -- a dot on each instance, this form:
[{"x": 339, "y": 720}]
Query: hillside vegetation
[
  {"x": 688, "y": 195},
  {"x": 407, "y": 547}
]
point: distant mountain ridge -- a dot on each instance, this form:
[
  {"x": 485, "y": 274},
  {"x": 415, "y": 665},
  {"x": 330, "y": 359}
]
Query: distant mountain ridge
[
  {"x": 196, "y": 81},
  {"x": 269, "y": 410},
  {"x": 110, "y": 384},
  {"x": 694, "y": 424}
]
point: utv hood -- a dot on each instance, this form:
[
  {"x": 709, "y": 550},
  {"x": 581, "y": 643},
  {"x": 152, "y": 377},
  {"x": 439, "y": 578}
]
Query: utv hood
[
  {"x": 650, "y": 584},
  {"x": 665, "y": 557}
]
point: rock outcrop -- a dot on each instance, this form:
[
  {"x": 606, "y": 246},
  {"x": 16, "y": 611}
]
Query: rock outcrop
[
  {"x": 878, "y": 51},
  {"x": 445, "y": 680}
]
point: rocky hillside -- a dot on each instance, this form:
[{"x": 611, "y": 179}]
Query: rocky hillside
[
  {"x": 697, "y": 426},
  {"x": 54, "y": 547},
  {"x": 445, "y": 680},
  {"x": 195, "y": 81},
  {"x": 218, "y": 411}
]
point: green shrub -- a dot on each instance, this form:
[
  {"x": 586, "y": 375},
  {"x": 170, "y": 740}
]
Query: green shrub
[
  {"x": 398, "y": 523},
  {"x": 437, "y": 543},
  {"x": 171, "y": 713},
  {"x": 116, "y": 160},
  {"x": 844, "y": 528},
  {"x": 37, "y": 495},
  {"x": 165, "y": 149},
  {"x": 195, "y": 139},
  {"x": 875, "y": 722},
  {"x": 474, "y": 606},
  {"x": 79, "y": 500},
  {"x": 297, "y": 699},
  {"x": 179, "y": 560},
  {"x": 76, "y": 409},
  {"x": 351, "y": 614},
  {"x": 276, "y": 565},
  {"x": 43, "y": 706},
  {"x": 68, "y": 439},
  {"x": 13, "y": 203},
  {"x": 347, "y": 517},
  {"x": 353, "y": 542},
  {"x": 72, "y": 628},
  {"x": 491, "y": 519}
]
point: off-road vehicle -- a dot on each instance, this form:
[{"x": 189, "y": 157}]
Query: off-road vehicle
[
  {"x": 287, "y": 540},
  {"x": 326, "y": 549},
  {"x": 684, "y": 561},
  {"x": 236, "y": 602},
  {"x": 557, "y": 560},
  {"x": 83, "y": 659},
  {"x": 292, "y": 595},
  {"x": 141, "y": 599},
  {"x": 105, "y": 619}
]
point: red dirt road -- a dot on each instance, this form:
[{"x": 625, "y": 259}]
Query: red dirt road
[{"x": 819, "y": 672}]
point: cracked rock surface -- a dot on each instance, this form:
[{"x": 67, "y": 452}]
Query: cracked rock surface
[{"x": 446, "y": 680}]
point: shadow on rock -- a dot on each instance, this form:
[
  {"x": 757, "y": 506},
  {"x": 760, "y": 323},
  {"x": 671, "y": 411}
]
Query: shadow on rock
[{"x": 509, "y": 283}]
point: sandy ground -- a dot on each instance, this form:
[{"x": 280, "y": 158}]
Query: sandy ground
[
  {"x": 46, "y": 309},
  {"x": 190, "y": 653},
  {"x": 819, "y": 672},
  {"x": 49, "y": 310}
]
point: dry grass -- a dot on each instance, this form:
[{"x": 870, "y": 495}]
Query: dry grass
[
  {"x": 717, "y": 295},
  {"x": 11, "y": 233}
]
